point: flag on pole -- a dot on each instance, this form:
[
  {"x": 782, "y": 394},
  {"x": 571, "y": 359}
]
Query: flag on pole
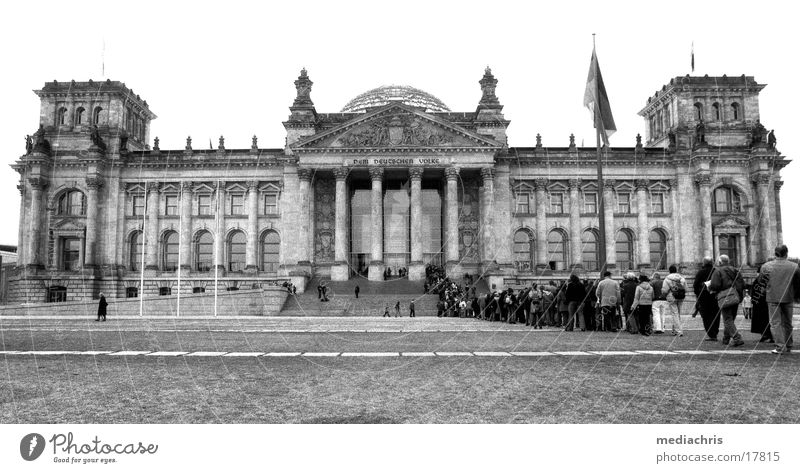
[
  {"x": 596, "y": 99},
  {"x": 692, "y": 57}
]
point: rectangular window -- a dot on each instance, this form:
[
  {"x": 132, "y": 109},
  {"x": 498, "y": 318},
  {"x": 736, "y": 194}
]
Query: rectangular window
[
  {"x": 557, "y": 203},
  {"x": 624, "y": 201},
  {"x": 590, "y": 202},
  {"x": 237, "y": 204},
  {"x": 171, "y": 205},
  {"x": 523, "y": 203},
  {"x": 71, "y": 251},
  {"x": 138, "y": 205},
  {"x": 270, "y": 204},
  {"x": 657, "y": 202},
  {"x": 204, "y": 204}
]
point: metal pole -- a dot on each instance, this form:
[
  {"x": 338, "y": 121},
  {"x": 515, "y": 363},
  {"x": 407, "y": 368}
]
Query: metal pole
[
  {"x": 144, "y": 240},
  {"x": 180, "y": 251},
  {"x": 598, "y": 122},
  {"x": 216, "y": 245}
]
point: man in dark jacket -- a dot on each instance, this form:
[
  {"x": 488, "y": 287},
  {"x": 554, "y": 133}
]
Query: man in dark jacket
[
  {"x": 628, "y": 291},
  {"x": 707, "y": 302},
  {"x": 101, "y": 308},
  {"x": 726, "y": 280}
]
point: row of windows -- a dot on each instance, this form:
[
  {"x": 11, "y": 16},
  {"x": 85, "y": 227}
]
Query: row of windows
[
  {"x": 589, "y": 202},
  {"x": 734, "y": 112},
  {"x": 205, "y": 204},
  {"x": 203, "y": 252},
  {"x": 80, "y": 116},
  {"x": 524, "y": 250}
]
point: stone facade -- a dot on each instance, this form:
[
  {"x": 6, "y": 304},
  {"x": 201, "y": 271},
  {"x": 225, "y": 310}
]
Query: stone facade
[{"x": 390, "y": 184}]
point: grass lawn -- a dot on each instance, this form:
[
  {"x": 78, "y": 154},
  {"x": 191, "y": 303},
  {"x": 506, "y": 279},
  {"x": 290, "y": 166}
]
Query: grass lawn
[{"x": 577, "y": 389}]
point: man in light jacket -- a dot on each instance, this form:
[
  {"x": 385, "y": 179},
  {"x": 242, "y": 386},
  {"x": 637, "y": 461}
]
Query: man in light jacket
[
  {"x": 608, "y": 296},
  {"x": 782, "y": 289},
  {"x": 672, "y": 284}
]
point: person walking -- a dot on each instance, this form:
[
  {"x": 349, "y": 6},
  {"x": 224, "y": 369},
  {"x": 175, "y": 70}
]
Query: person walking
[
  {"x": 386, "y": 311},
  {"x": 642, "y": 305},
  {"x": 707, "y": 302},
  {"x": 728, "y": 285},
  {"x": 627, "y": 291},
  {"x": 759, "y": 323},
  {"x": 608, "y": 297},
  {"x": 575, "y": 297},
  {"x": 439, "y": 308},
  {"x": 397, "y": 309},
  {"x": 357, "y": 290},
  {"x": 659, "y": 304},
  {"x": 783, "y": 279},
  {"x": 101, "y": 308},
  {"x": 411, "y": 309},
  {"x": 747, "y": 305},
  {"x": 562, "y": 306},
  {"x": 674, "y": 288}
]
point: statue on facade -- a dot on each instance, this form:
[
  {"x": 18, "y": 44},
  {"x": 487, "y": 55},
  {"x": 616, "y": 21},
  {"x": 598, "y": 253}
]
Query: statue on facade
[
  {"x": 673, "y": 140},
  {"x": 771, "y": 140},
  {"x": 40, "y": 144},
  {"x": 758, "y": 132},
  {"x": 700, "y": 133},
  {"x": 123, "y": 141},
  {"x": 28, "y": 144},
  {"x": 94, "y": 136}
]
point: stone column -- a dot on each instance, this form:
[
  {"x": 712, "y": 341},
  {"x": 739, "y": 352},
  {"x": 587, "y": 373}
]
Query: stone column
[
  {"x": 716, "y": 247},
  {"x": 704, "y": 183},
  {"x": 340, "y": 269},
  {"x": 451, "y": 216},
  {"x": 742, "y": 249},
  {"x": 219, "y": 228},
  {"x": 487, "y": 206},
  {"x": 643, "y": 224},
  {"x": 186, "y": 226},
  {"x": 541, "y": 223},
  {"x": 305, "y": 216},
  {"x": 416, "y": 269},
  {"x": 611, "y": 234},
  {"x": 151, "y": 232},
  {"x": 765, "y": 224},
  {"x": 251, "y": 252},
  {"x": 576, "y": 249},
  {"x": 376, "y": 263},
  {"x": 778, "y": 221},
  {"x": 35, "y": 235},
  {"x": 93, "y": 185},
  {"x": 675, "y": 210},
  {"x": 21, "y": 240}
]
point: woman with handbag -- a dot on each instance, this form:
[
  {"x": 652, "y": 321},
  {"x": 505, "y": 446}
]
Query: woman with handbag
[
  {"x": 643, "y": 304},
  {"x": 728, "y": 285}
]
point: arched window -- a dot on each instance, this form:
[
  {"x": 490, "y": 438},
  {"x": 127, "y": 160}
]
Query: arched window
[
  {"x": 72, "y": 203},
  {"x": 203, "y": 251},
  {"x": 96, "y": 115},
  {"x": 523, "y": 250},
  {"x": 237, "y": 250},
  {"x": 79, "y": 115},
  {"x": 557, "y": 250},
  {"x": 61, "y": 116},
  {"x": 135, "y": 253},
  {"x": 716, "y": 111},
  {"x": 624, "y": 248},
  {"x": 698, "y": 111},
  {"x": 170, "y": 252},
  {"x": 735, "y": 111},
  {"x": 726, "y": 200},
  {"x": 590, "y": 250},
  {"x": 658, "y": 249},
  {"x": 270, "y": 252}
]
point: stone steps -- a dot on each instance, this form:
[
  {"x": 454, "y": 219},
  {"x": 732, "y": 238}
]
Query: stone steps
[{"x": 365, "y": 305}]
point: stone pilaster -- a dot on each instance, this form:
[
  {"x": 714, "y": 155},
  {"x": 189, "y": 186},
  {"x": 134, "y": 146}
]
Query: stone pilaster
[
  {"x": 340, "y": 270},
  {"x": 376, "y": 263},
  {"x": 251, "y": 252},
  {"x": 503, "y": 201},
  {"x": 642, "y": 223},
  {"x": 677, "y": 249},
  {"x": 703, "y": 181},
  {"x": 416, "y": 268},
  {"x": 93, "y": 185},
  {"x": 305, "y": 215},
  {"x": 21, "y": 228},
  {"x": 576, "y": 249},
  {"x": 451, "y": 216},
  {"x": 37, "y": 185},
  {"x": 186, "y": 226},
  {"x": 487, "y": 205},
  {"x": 611, "y": 234},
  {"x": 541, "y": 223},
  {"x": 764, "y": 226},
  {"x": 219, "y": 240},
  {"x": 778, "y": 221},
  {"x": 151, "y": 230},
  {"x": 742, "y": 242}
]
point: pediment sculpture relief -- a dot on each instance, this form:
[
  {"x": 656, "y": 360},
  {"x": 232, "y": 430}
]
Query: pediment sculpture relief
[{"x": 397, "y": 130}]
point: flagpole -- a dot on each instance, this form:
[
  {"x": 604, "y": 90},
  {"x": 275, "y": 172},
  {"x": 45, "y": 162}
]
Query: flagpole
[
  {"x": 141, "y": 266},
  {"x": 180, "y": 251},
  {"x": 216, "y": 255},
  {"x": 598, "y": 122}
]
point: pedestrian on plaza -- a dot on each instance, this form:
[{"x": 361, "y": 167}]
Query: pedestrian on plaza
[
  {"x": 397, "y": 309},
  {"x": 675, "y": 289},
  {"x": 357, "y": 290},
  {"x": 728, "y": 285},
  {"x": 660, "y": 305},
  {"x": 462, "y": 309},
  {"x": 476, "y": 307},
  {"x": 101, "y": 308},
  {"x": 534, "y": 318},
  {"x": 747, "y": 305},
  {"x": 411, "y": 309},
  {"x": 706, "y": 301},
  {"x": 575, "y": 295},
  {"x": 439, "y": 308},
  {"x": 562, "y": 305},
  {"x": 590, "y": 306},
  {"x": 643, "y": 304},
  {"x": 759, "y": 323},
  {"x": 386, "y": 311},
  {"x": 319, "y": 291},
  {"x": 783, "y": 281},
  {"x": 628, "y": 290},
  {"x": 608, "y": 297}
]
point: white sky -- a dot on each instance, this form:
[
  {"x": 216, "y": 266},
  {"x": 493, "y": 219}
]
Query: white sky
[{"x": 227, "y": 68}]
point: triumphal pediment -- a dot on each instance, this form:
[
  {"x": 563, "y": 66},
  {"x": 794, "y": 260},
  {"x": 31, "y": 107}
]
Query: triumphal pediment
[{"x": 397, "y": 127}]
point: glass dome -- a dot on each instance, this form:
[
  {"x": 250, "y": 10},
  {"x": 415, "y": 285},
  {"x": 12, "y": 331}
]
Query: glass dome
[{"x": 387, "y": 94}]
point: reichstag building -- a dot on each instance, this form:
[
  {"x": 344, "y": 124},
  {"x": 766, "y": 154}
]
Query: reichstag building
[{"x": 391, "y": 183}]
